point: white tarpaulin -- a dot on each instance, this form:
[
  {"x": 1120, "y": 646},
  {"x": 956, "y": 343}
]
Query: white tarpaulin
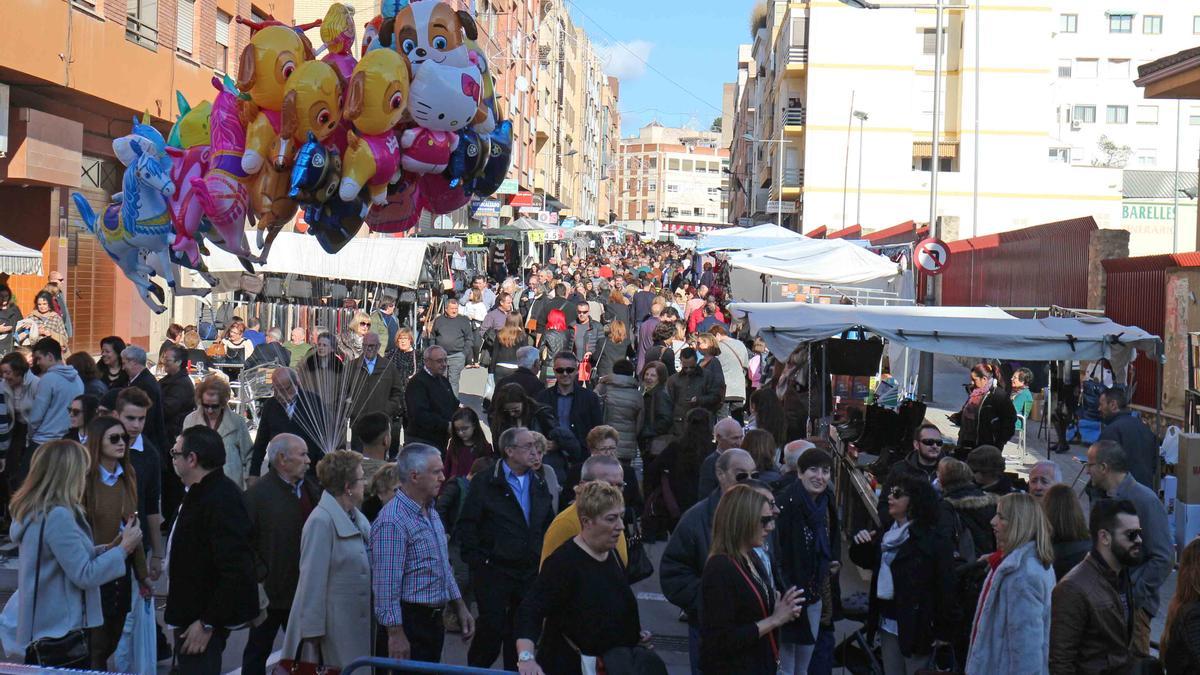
[
  {"x": 758, "y": 236},
  {"x": 385, "y": 260},
  {"x": 18, "y": 259},
  {"x": 956, "y": 331},
  {"x": 830, "y": 261}
]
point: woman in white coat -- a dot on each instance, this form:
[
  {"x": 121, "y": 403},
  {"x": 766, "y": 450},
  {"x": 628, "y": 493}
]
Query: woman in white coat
[
  {"x": 331, "y": 614},
  {"x": 1011, "y": 630},
  {"x": 212, "y": 410}
]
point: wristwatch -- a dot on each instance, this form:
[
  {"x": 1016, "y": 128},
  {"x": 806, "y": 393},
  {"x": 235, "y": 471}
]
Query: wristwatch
[
  {"x": 524, "y": 657},
  {"x": 207, "y": 628}
]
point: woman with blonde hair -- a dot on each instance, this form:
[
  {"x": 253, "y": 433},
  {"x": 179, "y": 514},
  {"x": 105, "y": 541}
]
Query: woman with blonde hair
[
  {"x": 612, "y": 347},
  {"x": 212, "y": 410},
  {"x": 1011, "y": 630},
  {"x": 350, "y": 339},
  {"x": 743, "y": 611},
  {"x": 235, "y": 346},
  {"x": 61, "y": 570}
]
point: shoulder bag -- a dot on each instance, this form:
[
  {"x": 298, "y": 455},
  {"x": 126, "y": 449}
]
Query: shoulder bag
[
  {"x": 295, "y": 666},
  {"x": 640, "y": 566},
  {"x": 68, "y": 651}
]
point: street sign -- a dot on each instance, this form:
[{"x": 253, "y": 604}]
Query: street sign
[
  {"x": 745, "y": 222},
  {"x": 773, "y": 206},
  {"x": 932, "y": 256}
]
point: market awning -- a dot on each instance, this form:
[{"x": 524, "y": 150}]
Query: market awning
[
  {"x": 830, "y": 261},
  {"x": 385, "y": 260},
  {"x": 767, "y": 234},
  {"x": 956, "y": 331},
  {"x": 18, "y": 259}
]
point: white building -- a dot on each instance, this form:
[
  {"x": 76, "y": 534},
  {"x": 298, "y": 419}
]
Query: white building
[{"x": 673, "y": 175}]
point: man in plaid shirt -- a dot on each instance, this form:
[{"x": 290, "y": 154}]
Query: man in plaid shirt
[{"x": 410, "y": 564}]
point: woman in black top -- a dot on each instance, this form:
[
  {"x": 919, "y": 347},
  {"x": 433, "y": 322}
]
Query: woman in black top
[
  {"x": 508, "y": 340},
  {"x": 612, "y": 347},
  {"x": 581, "y": 603},
  {"x": 1069, "y": 531},
  {"x": 987, "y": 417},
  {"x": 675, "y": 474},
  {"x": 1180, "y": 641},
  {"x": 110, "y": 363},
  {"x": 742, "y": 610}
]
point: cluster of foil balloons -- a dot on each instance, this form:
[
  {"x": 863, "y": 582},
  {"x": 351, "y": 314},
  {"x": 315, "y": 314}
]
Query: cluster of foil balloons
[{"x": 411, "y": 124}]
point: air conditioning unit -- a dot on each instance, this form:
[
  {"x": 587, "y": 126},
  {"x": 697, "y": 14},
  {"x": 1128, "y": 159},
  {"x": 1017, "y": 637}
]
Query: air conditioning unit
[{"x": 1076, "y": 124}]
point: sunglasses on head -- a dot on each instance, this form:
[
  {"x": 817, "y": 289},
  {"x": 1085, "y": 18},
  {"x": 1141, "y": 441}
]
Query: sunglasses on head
[
  {"x": 113, "y": 438},
  {"x": 564, "y": 371},
  {"x": 932, "y": 442},
  {"x": 75, "y": 411}
]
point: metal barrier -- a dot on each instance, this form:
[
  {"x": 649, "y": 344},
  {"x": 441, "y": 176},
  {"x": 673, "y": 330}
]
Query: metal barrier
[{"x": 406, "y": 666}]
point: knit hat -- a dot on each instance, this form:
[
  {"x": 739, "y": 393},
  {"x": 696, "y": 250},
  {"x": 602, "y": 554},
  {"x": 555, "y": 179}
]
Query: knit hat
[{"x": 986, "y": 459}]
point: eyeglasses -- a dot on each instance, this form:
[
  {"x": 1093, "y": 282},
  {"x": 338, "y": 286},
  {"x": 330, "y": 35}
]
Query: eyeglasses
[
  {"x": 897, "y": 493},
  {"x": 1133, "y": 535},
  {"x": 564, "y": 371},
  {"x": 932, "y": 442},
  {"x": 175, "y": 455},
  {"x": 767, "y": 520},
  {"x": 75, "y": 411},
  {"x": 114, "y": 438},
  {"x": 743, "y": 475},
  {"x": 364, "y": 323},
  {"x": 606, "y": 448},
  {"x": 211, "y": 406}
]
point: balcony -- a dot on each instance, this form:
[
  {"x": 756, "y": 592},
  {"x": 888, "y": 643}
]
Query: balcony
[
  {"x": 793, "y": 120},
  {"x": 792, "y": 55},
  {"x": 793, "y": 181}
]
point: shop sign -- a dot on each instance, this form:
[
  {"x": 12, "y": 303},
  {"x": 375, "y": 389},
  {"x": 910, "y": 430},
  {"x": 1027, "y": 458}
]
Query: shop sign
[
  {"x": 527, "y": 199},
  {"x": 528, "y": 210},
  {"x": 487, "y": 208},
  {"x": 554, "y": 234},
  {"x": 475, "y": 239},
  {"x": 549, "y": 217},
  {"x": 536, "y": 236},
  {"x": 508, "y": 187}
]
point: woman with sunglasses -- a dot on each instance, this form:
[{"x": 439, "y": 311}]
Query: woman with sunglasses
[
  {"x": 912, "y": 582},
  {"x": 108, "y": 502},
  {"x": 212, "y": 410},
  {"x": 81, "y": 412},
  {"x": 1011, "y": 630},
  {"x": 742, "y": 610},
  {"x": 987, "y": 416}
]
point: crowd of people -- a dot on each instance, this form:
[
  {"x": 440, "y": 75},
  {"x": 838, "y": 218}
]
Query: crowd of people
[{"x": 624, "y": 404}]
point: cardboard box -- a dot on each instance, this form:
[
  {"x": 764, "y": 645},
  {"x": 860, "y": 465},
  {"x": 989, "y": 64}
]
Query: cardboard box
[
  {"x": 1187, "y": 523},
  {"x": 1187, "y": 469}
]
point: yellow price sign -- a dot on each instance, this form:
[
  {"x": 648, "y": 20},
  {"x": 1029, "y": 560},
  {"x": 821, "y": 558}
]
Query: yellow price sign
[
  {"x": 537, "y": 237},
  {"x": 475, "y": 239}
]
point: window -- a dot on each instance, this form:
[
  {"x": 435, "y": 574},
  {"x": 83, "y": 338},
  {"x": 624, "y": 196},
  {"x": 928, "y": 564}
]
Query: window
[
  {"x": 698, "y": 211},
  {"x": 672, "y": 187},
  {"x": 1147, "y": 114},
  {"x": 929, "y": 41},
  {"x": 1117, "y": 114},
  {"x": 714, "y": 191},
  {"x": 141, "y": 22},
  {"x": 687, "y": 165},
  {"x": 1068, "y": 23},
  {"x": 651, "y": 208},
  {"x": 185, "y": 19},
  {"x": 652, "y": 186},
  {"x": 1147, "y": 157},
  {"x": 1196, "y": 25},
  {"x": 946, "y": 165},
  {"x": 1064, "y": 67},
  {"x": 1152, "y": 25},
  {"x": 1060, "y": 155},
  {"x": 222, "y": 38},
  {"x": 1087, "y": 68},
  {"x": 1084, "y": 113},
  {"x": 1116, "y": 69},
  {"x": 672, "y": 164},
  {"x": 1120, "y": 23}
]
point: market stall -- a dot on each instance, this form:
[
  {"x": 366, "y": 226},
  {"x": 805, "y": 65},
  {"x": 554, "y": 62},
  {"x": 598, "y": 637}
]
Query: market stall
[
  {"x": 737, "y": 239},
  {"x": 771, "y": 273}
]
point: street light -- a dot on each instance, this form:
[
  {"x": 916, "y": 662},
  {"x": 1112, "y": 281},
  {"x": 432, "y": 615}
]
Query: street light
[
  {"x": 781, "y": 141},
  {"x": 862, "y": 119},
  {"x": 938, "y": 6}
]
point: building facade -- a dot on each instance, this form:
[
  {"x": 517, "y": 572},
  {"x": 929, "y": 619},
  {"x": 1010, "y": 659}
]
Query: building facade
[
  {"x": 676, "y": 176},
  {"x": 73, "y": 73}
]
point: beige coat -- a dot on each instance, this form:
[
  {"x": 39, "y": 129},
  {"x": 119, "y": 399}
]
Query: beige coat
[
  {"x": 236, "y": 438},
  {"x": 332, "y": 608}
]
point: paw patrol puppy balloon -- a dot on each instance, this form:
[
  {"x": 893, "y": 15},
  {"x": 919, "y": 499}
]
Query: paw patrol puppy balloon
[
  {"x": 375, "y": 101},
  {"x": 274, "y": 53},
  {"x": 428, "y": 31},
  {"x": 312, "y": 103}
]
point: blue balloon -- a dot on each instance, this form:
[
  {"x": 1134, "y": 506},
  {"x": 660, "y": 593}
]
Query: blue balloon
[{"x": 499, "y": 159}]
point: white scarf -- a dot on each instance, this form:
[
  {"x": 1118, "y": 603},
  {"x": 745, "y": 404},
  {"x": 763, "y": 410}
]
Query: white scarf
[{"x": 893, "y": 539}]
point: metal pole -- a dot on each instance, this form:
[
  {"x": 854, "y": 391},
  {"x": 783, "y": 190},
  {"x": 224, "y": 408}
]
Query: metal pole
[
  {"x": 779, "y": 192},
  {"x": 975, "y": 186},
  {"x": 753, "y": 166},
  {"x": 858, "y": 208},
  {"x": 937, "y": 98},
  {"x": 846, "y": 167},
  {"x": 1175, "y": 193}
]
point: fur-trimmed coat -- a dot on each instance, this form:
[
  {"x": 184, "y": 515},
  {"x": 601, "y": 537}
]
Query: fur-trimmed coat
[{"x": 1012, "y": 623}]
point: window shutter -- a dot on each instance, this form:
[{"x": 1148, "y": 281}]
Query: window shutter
[
  {"x": 222, "y": 33},
  {"x": 185, "y": 13}
]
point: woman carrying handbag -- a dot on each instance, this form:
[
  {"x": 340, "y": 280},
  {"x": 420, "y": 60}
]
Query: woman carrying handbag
[{"x": 60, "y": 570}]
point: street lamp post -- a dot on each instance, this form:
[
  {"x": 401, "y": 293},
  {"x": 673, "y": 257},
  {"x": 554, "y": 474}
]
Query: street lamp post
[{"x": 862, "y": 118}]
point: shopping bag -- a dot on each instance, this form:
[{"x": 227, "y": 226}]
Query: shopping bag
[
  {"x": 1169, "y": 450},
  {"x": 145, "y": 637}
]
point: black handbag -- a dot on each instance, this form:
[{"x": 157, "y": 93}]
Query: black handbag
[
  {"x": 639, "y": 566},
  {"x": 70, "y": 650}
]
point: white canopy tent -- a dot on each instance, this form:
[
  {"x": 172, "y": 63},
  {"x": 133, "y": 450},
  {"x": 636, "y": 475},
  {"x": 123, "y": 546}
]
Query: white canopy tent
[
  {"x": 767, "y": 234},
  {"x": 386, "y": 260},
  {"x": 755, "y": 274},
  {"x": 18, "y": 259}
]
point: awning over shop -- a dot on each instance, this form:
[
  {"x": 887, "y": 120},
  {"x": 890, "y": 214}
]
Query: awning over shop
[
  {"x": 829, "y": 261},
  {"x": 767, "y": 234},
  {"x": 18, "y": 259},
  {"x": 386, "y": 260},
  {"x": 955, "y": 331}
]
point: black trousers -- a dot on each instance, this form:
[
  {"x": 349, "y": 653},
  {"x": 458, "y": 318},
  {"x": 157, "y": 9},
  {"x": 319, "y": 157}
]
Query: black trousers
[
  {"x": 425, "y": 632},
  {"x": 498, "y": 593},
  {"x": 260, "y": 641},
  {"x": 207, "y": 662},
  {"x": 172, "y": 496}
]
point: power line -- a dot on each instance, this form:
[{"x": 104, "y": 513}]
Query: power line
[{"x": 639, "y": 58}]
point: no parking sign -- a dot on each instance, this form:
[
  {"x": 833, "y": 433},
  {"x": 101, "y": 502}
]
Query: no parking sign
[{"x": 932, "y": 255}]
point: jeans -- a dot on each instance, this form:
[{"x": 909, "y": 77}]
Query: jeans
[
  {"x": 207, "y": 662},
  {"x": 793, "y": 657},
  {"x": 694, "y": 648},
  {"x": 454, "y": 367},
  {"x": 822, "y": 658},
  {"x": 261, "y": 639}
]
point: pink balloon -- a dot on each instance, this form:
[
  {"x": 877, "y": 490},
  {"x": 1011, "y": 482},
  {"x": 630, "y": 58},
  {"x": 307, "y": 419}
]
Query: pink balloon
[
  {"x": 403, "y": 210},
  {"x": 439, "y": 197}
]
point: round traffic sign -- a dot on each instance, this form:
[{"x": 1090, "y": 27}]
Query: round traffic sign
[{"x": 932, "y": 255}]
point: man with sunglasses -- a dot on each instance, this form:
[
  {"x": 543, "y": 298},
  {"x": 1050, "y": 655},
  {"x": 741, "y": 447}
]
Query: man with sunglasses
[
  {"x": 1093, "y": 608},
  {"x": 577, "y": 410},
  {"x": 1108, "y": 468},
  {"x": 921, "y": 463},
  {"x": 585, "y": 332}
]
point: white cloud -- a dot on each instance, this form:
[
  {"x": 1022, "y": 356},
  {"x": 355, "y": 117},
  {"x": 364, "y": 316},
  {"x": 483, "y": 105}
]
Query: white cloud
[{"x": 626, "y": 60}]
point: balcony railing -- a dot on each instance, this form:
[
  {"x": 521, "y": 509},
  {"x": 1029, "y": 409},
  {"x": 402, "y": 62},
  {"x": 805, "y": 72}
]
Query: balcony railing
[
  {"x": 793, "y": 117},
  {"x": 792, "y": 178},
  {"x": 797, "y": 54}
]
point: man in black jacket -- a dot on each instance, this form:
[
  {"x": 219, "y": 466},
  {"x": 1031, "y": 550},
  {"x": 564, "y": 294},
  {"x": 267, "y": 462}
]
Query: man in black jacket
[
  {"x": 527, "y": 358},
  {"x": 500, "y": 530},
  {"x": 429, "y": 401},
  {"x": 291, "y": 411},
  {"x": 921, "y": 463},
  {"x": 278, "y": 505},
  {"x": 133, "y": 362},
  {"x": 577, "y": 410},
  {"x": 375, "y": 386},
  {"x": 1126, "y": 428},
  {"x": 178, "y": 392},
  {"x": 270, "y": 351},
  {"x": 454, "y": 333},
  {"x": 211, "y": 564}
]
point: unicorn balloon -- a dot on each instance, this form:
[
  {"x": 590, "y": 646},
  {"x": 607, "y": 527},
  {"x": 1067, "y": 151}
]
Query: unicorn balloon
[{"x": 137, "y": 225}]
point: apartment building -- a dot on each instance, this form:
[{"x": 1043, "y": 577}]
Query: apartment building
[
  {"x": 675, "y": 176},
  {"x": 842, "y": 129},
  {"x": 73, "y": 73}
]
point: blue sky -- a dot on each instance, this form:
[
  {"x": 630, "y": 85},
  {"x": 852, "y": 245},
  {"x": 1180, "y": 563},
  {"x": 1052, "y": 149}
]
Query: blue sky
[{"x": 694, "y": 44}]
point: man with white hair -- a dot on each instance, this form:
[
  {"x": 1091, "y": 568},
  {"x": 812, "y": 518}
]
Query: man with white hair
[
  {"x": 278, "y": 505},
  {"x": 791, "y": 455},
  {"x": 430, "y": 401},
  {"x": 290, "y": 411},
  {"x": 526, "y": 372},
  {"x": 1043, "y": 476},
  {"x": 410, "y": 573},
  {"x": 133, "y": 362},
  {"x": 728, "y": 434},
  {"x": 270, "y": 351}
]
